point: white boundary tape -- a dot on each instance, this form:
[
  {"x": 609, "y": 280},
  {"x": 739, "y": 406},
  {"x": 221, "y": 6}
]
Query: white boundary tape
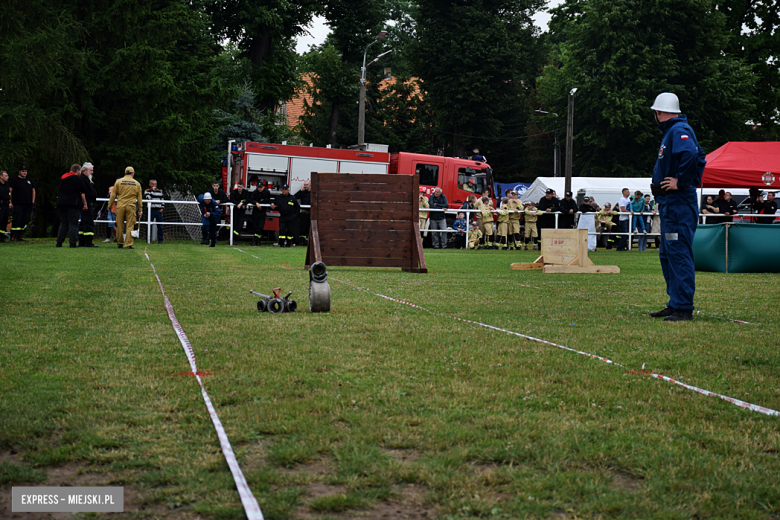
[
  {"x": 251, "y": 507},
  {"x": 732, "y": 400}
]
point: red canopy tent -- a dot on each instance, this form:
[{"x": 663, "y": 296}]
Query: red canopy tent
[{"x": 743, "y": 165}]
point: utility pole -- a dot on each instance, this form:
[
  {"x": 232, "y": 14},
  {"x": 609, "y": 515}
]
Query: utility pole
[
  {"x": 569, "y": 135},
  {"x": 362, "y": 113}
]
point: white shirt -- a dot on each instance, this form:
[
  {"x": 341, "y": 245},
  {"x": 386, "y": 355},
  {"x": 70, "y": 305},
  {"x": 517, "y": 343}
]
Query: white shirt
[{"x": 624, "y": 203}]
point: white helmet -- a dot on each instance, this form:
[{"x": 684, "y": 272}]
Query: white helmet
[
  {"x": 207, "y": 196},
  {"x": 667, "y": 102}
]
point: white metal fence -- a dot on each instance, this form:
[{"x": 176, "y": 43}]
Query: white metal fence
[{"x": 183, "y": 209}]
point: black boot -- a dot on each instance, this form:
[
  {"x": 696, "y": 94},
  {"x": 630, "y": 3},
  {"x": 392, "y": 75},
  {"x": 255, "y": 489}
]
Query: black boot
[
  {"x": 213, "y": 243},
  {"x": 679, "y": 315},
  {"x": 89, "y": 242},
  {"x": 662, "y": 314}
]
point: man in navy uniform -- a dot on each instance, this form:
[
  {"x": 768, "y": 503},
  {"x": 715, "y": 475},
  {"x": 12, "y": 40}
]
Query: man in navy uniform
[
  {"x": 677, "y": 172},
  {"x": 288, "y": 208}
]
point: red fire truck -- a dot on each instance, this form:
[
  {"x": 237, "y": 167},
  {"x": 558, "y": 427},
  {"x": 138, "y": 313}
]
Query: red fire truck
[{"x": 278, "y": 164}]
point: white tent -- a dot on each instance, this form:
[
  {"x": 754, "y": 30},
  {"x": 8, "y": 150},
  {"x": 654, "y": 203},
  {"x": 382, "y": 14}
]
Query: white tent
[{"x": 604, "y": 189}]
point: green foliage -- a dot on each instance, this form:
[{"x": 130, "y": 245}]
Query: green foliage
[
  {"x": 399, "y": 117},
  {"x": 332, "y": 81},
  {"x": 264, "y": 32},
  {"x": 754, "y": 30},
  {"x": 40, "y": 60},
  {"x": 471, "y": 58},
  {"x": 620, "y": 55},
  {"x": 244, "y": 123}
]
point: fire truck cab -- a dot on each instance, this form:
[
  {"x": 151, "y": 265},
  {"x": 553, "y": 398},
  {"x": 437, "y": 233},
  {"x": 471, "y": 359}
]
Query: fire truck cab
[{"x": 458, "y": 178}]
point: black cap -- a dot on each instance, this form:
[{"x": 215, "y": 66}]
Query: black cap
[
  {"x": 285, "y": 187},
  {"x": 568, "y": 194},
  {"x": 22, "y": 167},
  {"x": 550, "y": 191}
]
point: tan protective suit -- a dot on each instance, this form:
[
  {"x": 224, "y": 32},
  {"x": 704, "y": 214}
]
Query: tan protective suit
[{"x": 128, "y": 196}]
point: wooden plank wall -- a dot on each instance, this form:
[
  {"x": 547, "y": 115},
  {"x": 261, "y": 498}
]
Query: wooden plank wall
[{"x": 365, "y": 220}]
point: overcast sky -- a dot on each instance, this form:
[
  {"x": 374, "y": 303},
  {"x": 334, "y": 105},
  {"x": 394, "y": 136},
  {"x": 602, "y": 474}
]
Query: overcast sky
[{"x": 318, "y": 31}]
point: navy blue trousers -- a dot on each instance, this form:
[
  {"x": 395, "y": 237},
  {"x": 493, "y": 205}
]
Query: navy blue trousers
[{"x": 678, "y": 224}]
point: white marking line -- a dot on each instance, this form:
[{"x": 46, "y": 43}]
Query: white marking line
[
  {"x": 251, "y": 507},
  {"x": 732, "y": 400}
]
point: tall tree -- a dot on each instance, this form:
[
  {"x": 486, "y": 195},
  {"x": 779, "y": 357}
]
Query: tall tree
[
  {"x": 472, "y": 56},
  {"x": 754, "y": 29},
  {"x": 264, "y": 30},
  {"x": 620, "y": 54}
]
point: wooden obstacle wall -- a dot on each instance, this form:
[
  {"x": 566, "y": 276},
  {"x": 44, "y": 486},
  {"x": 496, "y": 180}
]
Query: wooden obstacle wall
[{"x": 368, "y": 220}]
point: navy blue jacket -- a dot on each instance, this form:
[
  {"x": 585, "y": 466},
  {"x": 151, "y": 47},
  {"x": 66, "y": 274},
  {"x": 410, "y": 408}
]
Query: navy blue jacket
[
  {"x": 438, "y": 203},
  {"x": 679, "y": 156},
  {"x": 211, "y": 207}
]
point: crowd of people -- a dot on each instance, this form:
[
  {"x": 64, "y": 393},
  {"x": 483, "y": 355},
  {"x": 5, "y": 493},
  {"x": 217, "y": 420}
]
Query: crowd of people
[{"x": 517, "y": 224}]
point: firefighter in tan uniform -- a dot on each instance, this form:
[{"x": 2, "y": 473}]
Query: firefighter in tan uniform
[
  {"x": 531, "y": 216},
  {"x": 515, "y": 210},
  {"x": 474, "y": 236},
  {"x": 503, "y": 223},
  {"x": 128, "y": 196},
  {"x": 485, "y": 221},
  {"x": 423, "y": 200}
]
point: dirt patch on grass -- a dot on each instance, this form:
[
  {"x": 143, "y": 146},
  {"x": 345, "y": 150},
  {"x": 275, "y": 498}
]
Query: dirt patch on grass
[
  {"x": 623, "y": 482},
  {"x": 76, "y": 474},
  {"x": 403, "y": 455}
]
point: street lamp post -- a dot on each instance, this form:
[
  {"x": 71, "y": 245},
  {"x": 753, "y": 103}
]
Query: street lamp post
[
  {"x": 569, "y": 132},
  {"x": 556, "y": 150},
  {"x": 362, "y": 114}
]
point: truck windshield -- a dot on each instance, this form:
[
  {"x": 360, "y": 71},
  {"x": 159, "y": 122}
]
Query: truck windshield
[{"x": 474, "y": 180}]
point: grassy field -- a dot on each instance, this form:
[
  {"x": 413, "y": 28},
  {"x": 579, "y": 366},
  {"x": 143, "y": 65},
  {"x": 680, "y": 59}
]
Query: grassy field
[{"x": 381, "y": 410}]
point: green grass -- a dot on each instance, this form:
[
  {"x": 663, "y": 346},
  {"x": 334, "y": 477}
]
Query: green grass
[{"x": 334, "y": 415}]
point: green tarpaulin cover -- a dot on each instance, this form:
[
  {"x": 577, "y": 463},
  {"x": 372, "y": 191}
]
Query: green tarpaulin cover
[{"x": 752, "y": 248}]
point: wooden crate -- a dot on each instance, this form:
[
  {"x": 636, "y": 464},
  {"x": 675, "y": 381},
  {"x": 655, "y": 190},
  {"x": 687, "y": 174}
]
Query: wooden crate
[
  {"x": 365, "y": 220},
  {"x": 565, "y": 251}
]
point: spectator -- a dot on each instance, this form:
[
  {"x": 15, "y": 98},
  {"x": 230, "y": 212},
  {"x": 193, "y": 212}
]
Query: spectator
[
  {"x": 587, "y": 205},
  {"x": 127, "y": 194},
  {"x": 288, "y": 208},
  {"x": 86, "y": 227},
  {"x": 304, "y": 219},
  {"x": 21, "y": 202},
  {"x": 5, "y": 196},
  {"x": 568, "y": 210},
  {"x": 655, "y": 224},
  {"x": 531, "y": 215},
  {"x": 477, "y": 156},
  {"x": 438, "y": 220},
  {"x": 422, "y": 200},
  {"x": 220, "y": 198},
  {"x": 70, "y": 202},
  {"x": 240, "y": 199},
  {"x": 604, "y": 225},
  {"x": 111, "y": 217},
  {"x": 156, "y": 207},
  {"x": 727, "y": 207},
  {"x": 515, "y": 211},
  {"x": 638, "y": 224},
  {"x": 486, "y": 218},
  {"x": 260, "y": 202},
  {"x": 469, "y": 186},
  {"x": 475, "y": 236},
  {"x": 483, "y": 222},
  {"x": 770, "y": 207},
  {"x": 469, "y": 204},
  {"x": 460, "y": 231},
  {"x": 211, "y": 212},
  {"x": 710, "y": 208},
  {"x": 547, "y": 204},
  {"x": 503, "y": 223},
  {"x": 623, "y": 221}
]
